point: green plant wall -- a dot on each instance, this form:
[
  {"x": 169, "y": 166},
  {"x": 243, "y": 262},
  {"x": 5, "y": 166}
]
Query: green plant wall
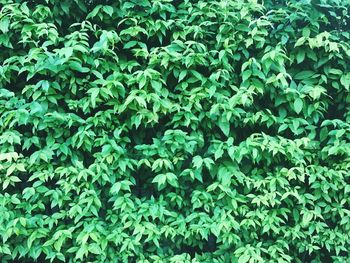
[{"x": 174, "y": 131}]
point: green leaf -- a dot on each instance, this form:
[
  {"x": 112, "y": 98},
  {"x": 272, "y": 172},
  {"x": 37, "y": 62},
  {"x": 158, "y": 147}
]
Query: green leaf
[
  {"x": 4, "y": 24},
  {"x": 300, "y": 42},
  {"x": 95, "y": 249},
  {"x": 78, "y": 67},
  {"x": 94, "y": 93},
  {"x": 224, "y": 126},
  {"x": 345, "y": 80},
  {"x": 94, "y": 12},
  {"x": 11, "y": 169},
  {"x": 130, "y": 44},
  {"x": 302, "y": 75},
  {"x": 298, "y": 105},
  {"x": 243, "y": 258},
  {"x": 108, "y": 9}
]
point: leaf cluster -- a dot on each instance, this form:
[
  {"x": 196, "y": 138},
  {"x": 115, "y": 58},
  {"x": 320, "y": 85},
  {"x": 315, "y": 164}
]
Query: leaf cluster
[{"x": 174, "y": 131}]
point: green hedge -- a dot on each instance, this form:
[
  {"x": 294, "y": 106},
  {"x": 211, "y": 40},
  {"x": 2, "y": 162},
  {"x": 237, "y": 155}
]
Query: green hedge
[{"x": 174, "y": 131}]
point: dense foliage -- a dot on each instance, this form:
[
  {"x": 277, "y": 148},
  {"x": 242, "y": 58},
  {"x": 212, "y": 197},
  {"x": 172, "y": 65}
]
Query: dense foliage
[{"x": 174, "y": 131}]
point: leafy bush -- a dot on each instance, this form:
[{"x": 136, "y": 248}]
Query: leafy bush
[{"x": 175, "y": 131}]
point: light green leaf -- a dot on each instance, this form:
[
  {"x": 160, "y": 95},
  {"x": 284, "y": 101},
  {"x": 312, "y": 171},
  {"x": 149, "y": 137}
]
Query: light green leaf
[{"x": 298, "y": 105}]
